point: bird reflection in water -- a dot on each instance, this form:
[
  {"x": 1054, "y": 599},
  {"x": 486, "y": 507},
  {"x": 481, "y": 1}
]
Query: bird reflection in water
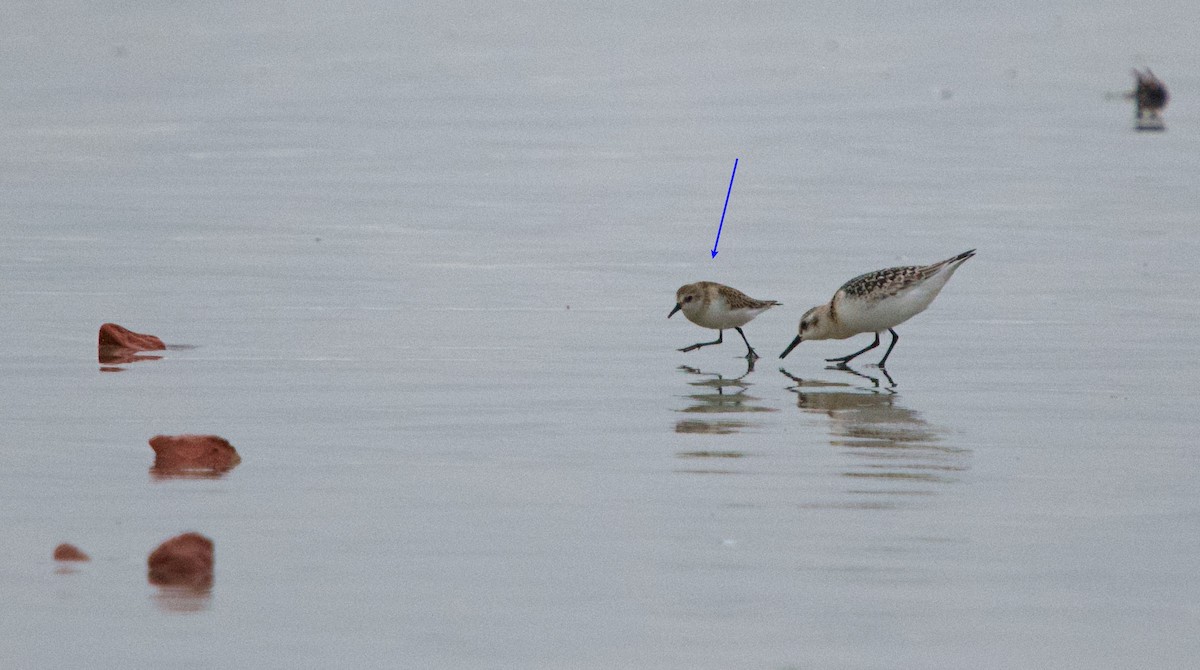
[
  {"x": 893, "y": 451},
  {"x": 715, "y": 399}
]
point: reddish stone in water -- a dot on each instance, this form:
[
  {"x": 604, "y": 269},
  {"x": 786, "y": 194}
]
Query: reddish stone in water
[
  {"x": 184, "y": 560},
  {"x": 117, "y": 344},
  {"x": 112, "y": 335},
  {"x": 182, "y": 455},
  {"x": 69, "y": 552}
]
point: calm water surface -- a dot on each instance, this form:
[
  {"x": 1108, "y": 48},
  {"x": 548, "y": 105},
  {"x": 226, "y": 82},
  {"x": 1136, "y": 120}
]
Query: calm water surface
[{"x": 416, "y": 265}]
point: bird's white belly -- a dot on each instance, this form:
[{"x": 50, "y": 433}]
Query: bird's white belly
[
  {"x": 873, "y": 316},
  {"x": 721, "y": 318}
]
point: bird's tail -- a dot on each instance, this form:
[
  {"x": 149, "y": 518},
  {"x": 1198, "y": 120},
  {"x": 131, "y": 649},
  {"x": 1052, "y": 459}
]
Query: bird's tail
[
  {"x": 959, "y": 258},
  {"x": 952, "y": 263}
]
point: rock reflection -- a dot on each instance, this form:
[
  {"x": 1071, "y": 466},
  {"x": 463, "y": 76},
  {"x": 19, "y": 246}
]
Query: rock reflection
[
  {"x": 716, "y": 398},
  {"x": 110, "y": 359},
  {"x": 166, "y": 474},
  {"x": 182, "y": 599},
  {"x": 894, "y": 452}
]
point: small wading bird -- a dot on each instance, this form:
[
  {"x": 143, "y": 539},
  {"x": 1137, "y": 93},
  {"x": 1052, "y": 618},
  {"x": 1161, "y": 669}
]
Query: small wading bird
[
  {"x": 1150, "y": 95},
  {"x": 875, "y": 302},
  {"x": 717, "y": 306}
]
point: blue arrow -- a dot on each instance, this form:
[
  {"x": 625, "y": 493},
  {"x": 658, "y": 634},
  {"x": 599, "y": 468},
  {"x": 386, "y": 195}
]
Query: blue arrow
[{"x": 726, "y": 207}]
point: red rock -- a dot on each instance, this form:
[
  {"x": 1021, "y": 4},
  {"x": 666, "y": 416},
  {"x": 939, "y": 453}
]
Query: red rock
[
  {"x": 117, "y": 345},
  {"x": 112, "y": 335},
  {"x": 69, "y": 552},
  {"x": 190, "y": 455},
  {"x": 184, "y": 560}
]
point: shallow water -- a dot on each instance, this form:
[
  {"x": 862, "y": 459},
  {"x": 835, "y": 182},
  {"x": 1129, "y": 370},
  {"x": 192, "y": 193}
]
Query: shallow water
[{"x": 415, "y": 265}]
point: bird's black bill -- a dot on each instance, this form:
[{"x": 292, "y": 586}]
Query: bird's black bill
[
  {"x": 790, "y": 347},
  {"x": 677, "y": 308}
]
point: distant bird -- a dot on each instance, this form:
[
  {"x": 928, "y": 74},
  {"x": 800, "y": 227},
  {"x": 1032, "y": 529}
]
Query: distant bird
[
  {"x": 1150, "y": 95},
  {"x": 875, "y": 302},
  {"x": 712, "y": 305}
]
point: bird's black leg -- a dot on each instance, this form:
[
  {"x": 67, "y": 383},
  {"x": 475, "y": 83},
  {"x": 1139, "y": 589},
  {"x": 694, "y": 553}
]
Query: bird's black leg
[
  {"x": 750, "y": 352},
  {"x": 846, "y": 359},
  {"x": 720, "y": 338},
  {"x": 895, "y": 338}
]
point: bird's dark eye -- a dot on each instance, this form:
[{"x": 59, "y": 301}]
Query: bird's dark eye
[{"x": 688, "y": 299}]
